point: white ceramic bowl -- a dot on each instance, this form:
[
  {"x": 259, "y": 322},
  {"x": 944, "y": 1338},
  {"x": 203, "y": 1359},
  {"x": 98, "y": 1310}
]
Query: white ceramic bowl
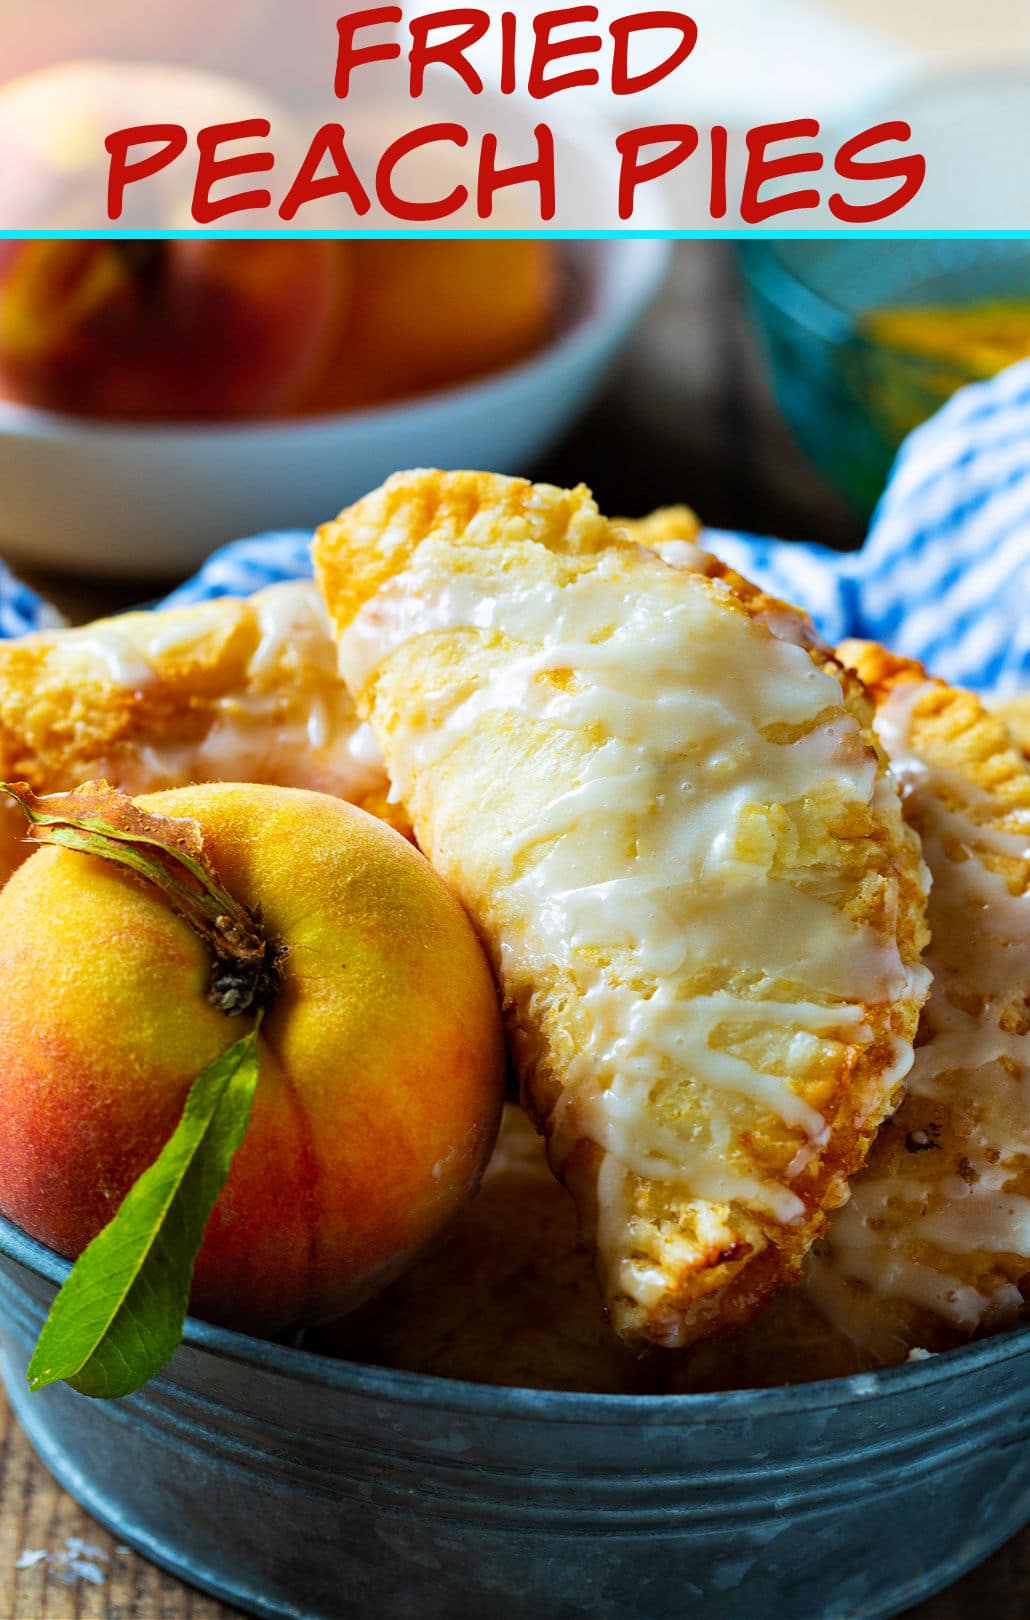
[{"x": 152, "y": 500}]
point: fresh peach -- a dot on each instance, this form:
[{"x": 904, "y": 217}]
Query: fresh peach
[
  {"x": 159, "y": 329},
  {"x": 425, "y": 314},
  {"x": 381, "y": 1057}
]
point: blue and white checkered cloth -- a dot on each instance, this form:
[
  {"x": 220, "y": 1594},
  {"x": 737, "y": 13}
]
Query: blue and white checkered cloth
[{"x": 944, "y": 575}]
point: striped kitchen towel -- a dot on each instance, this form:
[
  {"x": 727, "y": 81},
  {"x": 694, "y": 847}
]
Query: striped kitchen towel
[
  {"x": 21, "y": 609},
  {"x": 944, "y": 575}
]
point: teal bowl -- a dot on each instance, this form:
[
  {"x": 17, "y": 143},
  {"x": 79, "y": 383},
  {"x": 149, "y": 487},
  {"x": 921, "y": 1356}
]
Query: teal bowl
[
  {"x": 851, "y": 399},
  {"x": 303, "y": 1488}
]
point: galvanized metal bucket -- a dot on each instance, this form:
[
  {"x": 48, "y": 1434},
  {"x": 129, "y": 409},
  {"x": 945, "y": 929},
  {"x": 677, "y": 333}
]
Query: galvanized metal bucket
[{"x": 293, "y": 1485}]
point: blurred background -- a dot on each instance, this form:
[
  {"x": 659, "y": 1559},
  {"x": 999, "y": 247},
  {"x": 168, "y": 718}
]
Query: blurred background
[{"x": 160, "y": 398}]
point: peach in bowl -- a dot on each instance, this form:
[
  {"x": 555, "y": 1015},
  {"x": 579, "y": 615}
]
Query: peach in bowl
[{"x": 162, "y": 398}]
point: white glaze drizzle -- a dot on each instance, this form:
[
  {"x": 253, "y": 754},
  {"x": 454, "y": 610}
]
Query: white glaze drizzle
[
  {"x": 980, "y": 958},
  {"x": 786, "y": 623},
  {"x": 126, "y": 665},
  {"x": 644, "y": 850},
  {"x": 289, "y": 720},
  {"x": 683, "y": 554}
]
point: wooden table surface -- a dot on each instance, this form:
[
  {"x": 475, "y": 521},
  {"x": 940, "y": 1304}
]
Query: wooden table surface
[{"x": 688, "y": 417}]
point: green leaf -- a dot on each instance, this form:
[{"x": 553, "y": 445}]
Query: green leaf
[{"x": 120, "y": 1314}]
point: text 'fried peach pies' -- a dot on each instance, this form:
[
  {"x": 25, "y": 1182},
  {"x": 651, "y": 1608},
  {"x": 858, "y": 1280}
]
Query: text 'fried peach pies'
[
  {"x": 934, "y": 1245},
  {"x": 677, "y": 837}
]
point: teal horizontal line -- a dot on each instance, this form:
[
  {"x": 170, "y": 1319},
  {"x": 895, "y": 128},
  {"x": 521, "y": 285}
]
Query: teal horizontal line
[{"x": 506, "y": 236}]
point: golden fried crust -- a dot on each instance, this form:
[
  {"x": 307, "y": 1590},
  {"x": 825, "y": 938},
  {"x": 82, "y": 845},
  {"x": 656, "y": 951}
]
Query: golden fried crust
[
  {"x": 428, "y": 541},
  {"x": 675, "y": 524},
  {"x": 383, "y": 531},
  {"x": 934, "y": 1246},
  {"x": 1015, "y": 712},
  {"x": 675, "y": 533},
  {"x": 229, "y": 689},
  {"x": 85, "y": 693},
  {"x": 949, "y": 724}
]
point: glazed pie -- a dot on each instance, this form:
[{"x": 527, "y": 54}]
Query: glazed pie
[
  {"x": 934, "y": 1244},
  {"x": 677, "y": 837},
  {"x": 228, "y": 690}
]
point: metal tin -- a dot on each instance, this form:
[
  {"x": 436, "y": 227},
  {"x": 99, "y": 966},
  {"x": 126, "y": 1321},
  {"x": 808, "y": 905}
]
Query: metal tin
[{"x": 292, "y": 1485}]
